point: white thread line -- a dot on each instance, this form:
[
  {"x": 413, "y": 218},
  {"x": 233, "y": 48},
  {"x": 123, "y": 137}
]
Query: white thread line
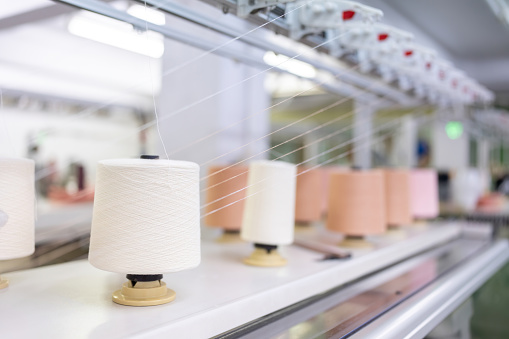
[
  {"x": 234, "y": 202},
  {"x": 346, "y": 143},
  {"x": 295, "y": 122},
  {"x": 152, "y": 87},
  {"x": 352, "y": 151},
  {"x": 282, "y": 128},
  {"x": 210, "y": 96},
  {"x": 293, "y": 151},
  {"x": 154, "y": 122},
  {"x": 282, "y": 155},
  {"x": 174, "y": 113},
  {"x": 316, "y": 166},
  {"x": 248, "y": 78},
  {"x": 255, "y": 114},
  {"x": 89, "y": 111},
  {"x": 341, "y": 117},
  {"x": 210, "y": 51},
  {"x": 151, "y": 123},
  {"x": 143, "y": 127}
]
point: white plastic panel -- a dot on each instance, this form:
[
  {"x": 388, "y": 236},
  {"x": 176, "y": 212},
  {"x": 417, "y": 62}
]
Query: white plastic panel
[{"x": 73, "y": 300}]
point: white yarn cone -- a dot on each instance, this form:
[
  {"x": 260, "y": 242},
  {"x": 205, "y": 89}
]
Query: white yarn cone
[
  {"x": 17, "y": 208},
  {"x": 270, "y": 205},
  {"x": 146, "y": 216},
  {"x": 467, "y": 188}
]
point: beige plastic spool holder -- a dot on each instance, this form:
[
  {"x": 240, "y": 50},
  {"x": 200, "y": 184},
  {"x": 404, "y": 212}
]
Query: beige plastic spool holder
[
  {"x": 420, "y": 223},
  {"x": 264, "y": 258},
  {"x": 144, "y": 293},
  {"x": 3, "y": 283},
  {"x": 396, "y": 232},
  {"x": 304, "y": 227},
  {"x": 355, "y": 242},
  {"x": 229, "y": 237}
]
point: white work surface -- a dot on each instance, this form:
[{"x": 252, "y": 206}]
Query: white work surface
[{"x": 73, "y": 300}]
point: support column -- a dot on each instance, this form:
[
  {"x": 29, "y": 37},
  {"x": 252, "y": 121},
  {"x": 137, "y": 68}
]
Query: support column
[
  {"x": 449, "y": 152},
  {"x": 311, "y": 150},
  {"x": 483, "y": 154},
  {"x": 405, "y": 145},
  {"x": 483, "y": 162},
  {"x": 362, "y": 134}
]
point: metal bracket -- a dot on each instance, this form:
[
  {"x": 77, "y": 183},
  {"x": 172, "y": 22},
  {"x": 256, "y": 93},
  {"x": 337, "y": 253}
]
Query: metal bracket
[
  {"x": 246, "y": 7},
  {"x": 316, "y": 16}
]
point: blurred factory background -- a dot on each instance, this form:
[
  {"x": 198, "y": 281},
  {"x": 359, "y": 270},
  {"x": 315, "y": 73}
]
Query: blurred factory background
[
  {"x": 73, "y": 81},
  {"x": 77, "y": 87}
]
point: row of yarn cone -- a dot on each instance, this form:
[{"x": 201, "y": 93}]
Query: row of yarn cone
[{"x": 353, "y": 202}]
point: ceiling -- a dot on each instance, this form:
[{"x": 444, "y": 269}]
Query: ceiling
[
  {"x": 465, "y": 32},
  {"x": 466, "y": 28}
]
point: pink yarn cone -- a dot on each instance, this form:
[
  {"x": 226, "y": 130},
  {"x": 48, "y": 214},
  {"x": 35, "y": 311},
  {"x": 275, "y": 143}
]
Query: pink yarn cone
[{"x": 424, "y": 193}]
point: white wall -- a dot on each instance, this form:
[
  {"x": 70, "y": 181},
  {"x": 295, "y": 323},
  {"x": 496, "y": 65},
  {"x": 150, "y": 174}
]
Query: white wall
[
  {"x": 62, "y": 138},
  {"x": 394, "y": 18},
  {"x": 44, "y": 58}
]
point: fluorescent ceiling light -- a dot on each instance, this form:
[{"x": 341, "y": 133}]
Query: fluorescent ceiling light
[
  {"x": 116, "y": 33},
  {"x": 148, "y": 14},
  {"x": 293, "y": 66}
]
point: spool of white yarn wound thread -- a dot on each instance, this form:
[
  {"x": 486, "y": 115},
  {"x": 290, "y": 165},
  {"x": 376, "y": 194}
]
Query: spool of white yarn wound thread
[
  {"x": 146, "y": 216},
  {"x": 270, "y": 204},
  {"x": 17, "y": 208}
]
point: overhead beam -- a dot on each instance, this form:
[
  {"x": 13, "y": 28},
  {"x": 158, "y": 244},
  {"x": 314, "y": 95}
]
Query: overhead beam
[
  {"x": 34, "y": 16},
  {"x": 37, "y": 14}
]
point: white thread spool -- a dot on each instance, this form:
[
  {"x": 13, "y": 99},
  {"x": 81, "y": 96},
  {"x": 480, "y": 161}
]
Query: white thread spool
[
  {"x": 146, "y": 216},
  {"x": 146, "y": 220},
  {"x": 269, "y": 210},
  {"x": 467, "y": 188},
  {"x": 17, "y": 209}
]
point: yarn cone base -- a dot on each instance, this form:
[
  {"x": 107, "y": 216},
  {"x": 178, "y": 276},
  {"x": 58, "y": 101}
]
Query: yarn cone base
[
  {"x": 260, "y": 257},
  {"x": 229, "y": 237},
  {"x": 420, "y": 223},
  {"x": 351, "y": 242},
  {"x": 395, "y": 232},
  {"x": 303, "y": 227},
  {"x": 148, "y": 293},
  {"x": 3, "y": 283}
]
